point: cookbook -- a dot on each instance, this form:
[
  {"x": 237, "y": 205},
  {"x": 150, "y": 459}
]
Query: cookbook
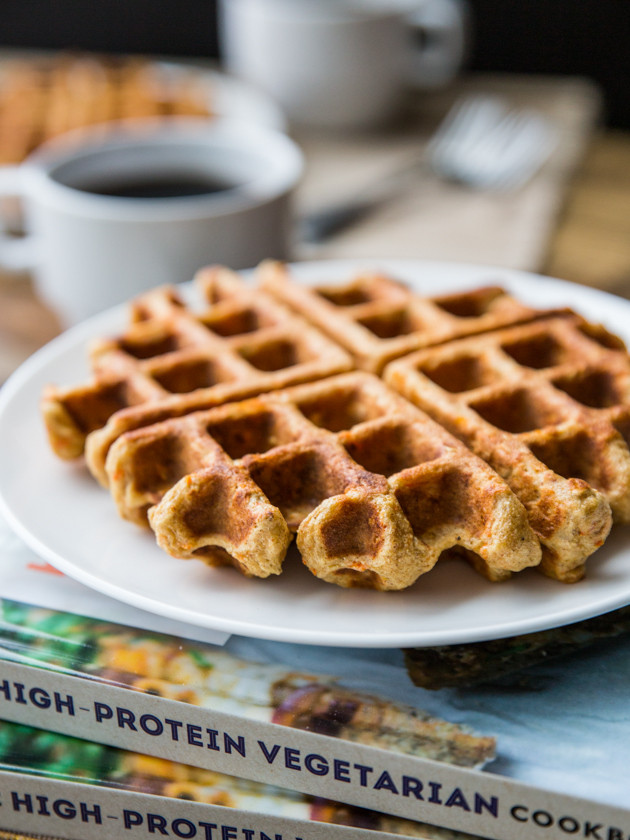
[
  {"x": 116, "y": 689},
  {"x": 200, "y": 705},
  {"x": 56, "y": 784}
]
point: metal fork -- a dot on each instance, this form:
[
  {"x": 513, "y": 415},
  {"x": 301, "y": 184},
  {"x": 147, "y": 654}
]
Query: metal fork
[
  {"x": 482, "y": 143},
  {"x": 485, "y": 144}
]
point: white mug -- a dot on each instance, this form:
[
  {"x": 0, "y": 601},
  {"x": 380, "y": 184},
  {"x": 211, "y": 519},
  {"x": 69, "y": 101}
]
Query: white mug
[
  {"x": 342, "y": 63},
  {"x": 109, "y": 214}
]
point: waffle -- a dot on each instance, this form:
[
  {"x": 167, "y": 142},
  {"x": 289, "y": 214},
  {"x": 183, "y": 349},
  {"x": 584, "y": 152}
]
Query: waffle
[
  {"x": 42, "y": 98},
  {"x": 377, "y": 319},
  {"x": 172, "y": 360},
  {"x": 373, "y": 488},
  {"x": 547, "y": 405}
]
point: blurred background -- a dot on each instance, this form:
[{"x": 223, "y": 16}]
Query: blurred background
[
  {"x": 568, "y": 61},
  {"x": 558, "y": 37}
]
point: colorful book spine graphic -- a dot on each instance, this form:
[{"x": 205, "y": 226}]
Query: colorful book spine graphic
[
  {"x": 48, "y": 754},
  {"x": 159, "y": 736},
  {"x": 198, "y": 705}
]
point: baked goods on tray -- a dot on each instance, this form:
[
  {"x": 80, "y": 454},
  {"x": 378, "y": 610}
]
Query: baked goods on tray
[
  {"x": 231, "y": 428},
  {"x": 41, "y": 98}
]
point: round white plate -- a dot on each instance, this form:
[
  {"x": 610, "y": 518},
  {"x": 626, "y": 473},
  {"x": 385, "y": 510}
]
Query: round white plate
[{"x": 62, "y": 514}]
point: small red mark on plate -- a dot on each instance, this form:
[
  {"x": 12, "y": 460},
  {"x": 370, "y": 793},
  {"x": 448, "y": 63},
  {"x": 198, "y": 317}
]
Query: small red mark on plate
[{"x": 44, "y": 567}]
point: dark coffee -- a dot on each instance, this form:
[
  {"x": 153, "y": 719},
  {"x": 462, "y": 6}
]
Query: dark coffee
[{"x": 158, "y": 186}]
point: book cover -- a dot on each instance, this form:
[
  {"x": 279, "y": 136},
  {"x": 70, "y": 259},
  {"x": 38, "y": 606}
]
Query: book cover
[
  {"x": 29, "y": 757},
  {"x": 198, "y": 705}
]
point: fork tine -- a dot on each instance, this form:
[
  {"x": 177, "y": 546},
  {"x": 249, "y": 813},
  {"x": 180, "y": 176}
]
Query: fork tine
[
  {"x": 485, "y": 145},
  {"x": 464, "y": 113},
  {"x": 530, "y": 145},
  {"x": 466, "y": 123},
  {"x": 481, "y": 165},
  {"x": 530, "y": 162}
]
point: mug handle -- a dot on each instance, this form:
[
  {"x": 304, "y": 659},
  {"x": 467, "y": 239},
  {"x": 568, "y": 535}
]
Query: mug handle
[
  {"x": 439, "y": 29},
  {"x": 16, "y": 253}
]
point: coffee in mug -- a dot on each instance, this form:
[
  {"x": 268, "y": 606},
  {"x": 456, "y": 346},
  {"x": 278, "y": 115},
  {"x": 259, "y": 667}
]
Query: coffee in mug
[{"x": 112, "y": 213}]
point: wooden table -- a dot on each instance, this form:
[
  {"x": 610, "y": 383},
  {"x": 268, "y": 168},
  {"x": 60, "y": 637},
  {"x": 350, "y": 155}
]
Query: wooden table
[{"x": 591, "y": 243}]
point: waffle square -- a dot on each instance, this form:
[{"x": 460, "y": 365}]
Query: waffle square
[
  {"x": 547, "y": 405},
  {"x": 376, "y": 318},
  {"x": 172, "y": 359},
  {"x": 373, "y": 488}
]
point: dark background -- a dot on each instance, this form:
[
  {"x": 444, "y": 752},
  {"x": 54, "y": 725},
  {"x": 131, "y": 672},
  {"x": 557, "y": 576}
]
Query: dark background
[{"x": 577, "y": 37}]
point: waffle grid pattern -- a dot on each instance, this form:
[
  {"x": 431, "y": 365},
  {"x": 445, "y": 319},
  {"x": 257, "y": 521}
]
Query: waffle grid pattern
[
  {"x": 171, "y": 360},
  {"x": 359, "y": 473},
  {"x": 548, "y": 406},
  {"x": 377, "y": 319},
  {"x": 232, "y": 428}
]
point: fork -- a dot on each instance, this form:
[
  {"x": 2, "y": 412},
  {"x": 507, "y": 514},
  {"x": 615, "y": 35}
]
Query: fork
[
  {"x": 486, "y": 145},
  {"x": 482, "y": 143}
]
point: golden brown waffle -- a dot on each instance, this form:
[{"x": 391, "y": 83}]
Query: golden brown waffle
[
  {"x": 171, "y": 360},
  {"x": 548, "y": 406},
  {"x": 377, "y": 319},
  {"x": 374, "y": 489},
  {"x": 45, "y": 97}
]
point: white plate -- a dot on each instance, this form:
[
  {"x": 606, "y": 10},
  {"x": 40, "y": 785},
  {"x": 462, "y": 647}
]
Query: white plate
[{"x": 64, "y": 516}]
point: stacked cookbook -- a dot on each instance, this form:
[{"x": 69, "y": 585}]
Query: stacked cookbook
[{"x": 112, "y": 730}]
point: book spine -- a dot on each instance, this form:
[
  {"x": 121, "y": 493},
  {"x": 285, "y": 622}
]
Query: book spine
[
  {"x": 456, "y": 798},
  {"x": 71, "y": 810}
]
